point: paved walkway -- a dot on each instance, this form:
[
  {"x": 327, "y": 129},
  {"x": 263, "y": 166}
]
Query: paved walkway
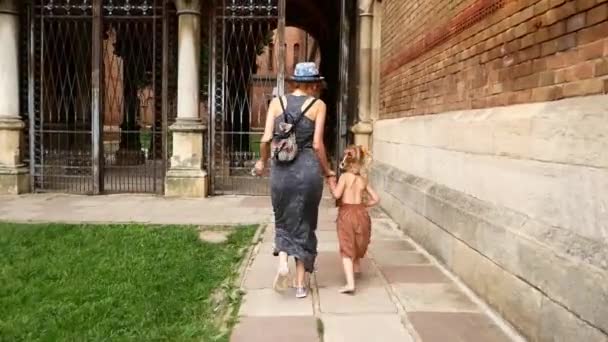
[
  {"x": 403, "y": 295},
  {"x": 221, "y": 210}
]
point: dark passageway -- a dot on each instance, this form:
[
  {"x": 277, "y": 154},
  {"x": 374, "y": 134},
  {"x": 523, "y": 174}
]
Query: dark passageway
[
  {"x": 321, "y": 19},
  {"x": 248, "y": 63}
]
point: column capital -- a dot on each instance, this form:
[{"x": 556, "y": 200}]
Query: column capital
[
  {"x": 363, "y": 127},
  {"x": 362, "y": 131},
  {"x": 9, "y": 7},
  {"x": 188, "y": 7}
]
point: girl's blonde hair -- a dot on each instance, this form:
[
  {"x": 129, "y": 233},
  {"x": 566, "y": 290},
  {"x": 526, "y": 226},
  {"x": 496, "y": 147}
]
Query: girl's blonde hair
[{"x": 356, "y": 156}]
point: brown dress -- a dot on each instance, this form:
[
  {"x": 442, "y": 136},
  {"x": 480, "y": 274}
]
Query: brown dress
[{"x": 354, "y": 230}]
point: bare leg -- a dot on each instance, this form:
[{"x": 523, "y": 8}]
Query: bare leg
[
  {"x": 350, "y": 276},
  {"x": 283, "y": 261},
  {"x": 300, "y": 273},
  {"x": 281, "y": 281},
  {"x": 357, "y": 266},
  {"x": 301, "y": 291}
]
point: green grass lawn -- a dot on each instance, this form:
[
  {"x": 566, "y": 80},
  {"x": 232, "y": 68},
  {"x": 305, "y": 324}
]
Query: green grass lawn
[{"x": 119, "y": 282}]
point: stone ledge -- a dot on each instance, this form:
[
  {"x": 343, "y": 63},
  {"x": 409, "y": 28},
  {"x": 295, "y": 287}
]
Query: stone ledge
[
  {"x": 546, "y": 259},
  {"x": 569, "y": 131},
  {"x": 17, "y": 170},
  {"x": 186, "y": 173},
  {"x": 561, "y": 241},
  {"x": 568, "y": 196},
  {"x": 11, "y": 123}
]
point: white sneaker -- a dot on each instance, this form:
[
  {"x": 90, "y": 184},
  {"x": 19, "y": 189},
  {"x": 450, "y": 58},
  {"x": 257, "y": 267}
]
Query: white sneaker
[{"x": 301, "y": 292}]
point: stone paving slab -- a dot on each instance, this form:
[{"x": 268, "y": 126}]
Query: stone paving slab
[
  {"x": 330, "y": 272},
  {"x": 434, "y": 298},
  {"x": 327, "y": 227},
  {"x": 469, "y": 327},
  {"x": 399, "y": 258},
  {"x": 266, "y": 248},
  {"x": 286, "y": 328},
  {"x": 364, "y": 328},
  {"x": 327, "y": 212},
  {"x": 382, "y": 230},
  {"x": 413, "y": 274},
  {"x": 261, "y": 272},
  {"x": 326, "y": 223},
  {"x": 268, "y": 235},
  {"x": 327, "y": 235},
  {"x": 391, "y": 245},
  {"x": 268, "y": 303},
  {"x": 328, "y": 246},
  {"x": 365, "y": 300}
]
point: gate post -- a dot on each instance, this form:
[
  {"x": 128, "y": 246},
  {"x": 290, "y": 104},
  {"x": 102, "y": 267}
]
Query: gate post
[
  {"x": 14, "y": 178},
  {"x": 186, "y": 176}
]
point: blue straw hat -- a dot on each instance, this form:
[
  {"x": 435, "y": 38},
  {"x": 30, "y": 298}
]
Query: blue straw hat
[{"x": 306, "y": 72}]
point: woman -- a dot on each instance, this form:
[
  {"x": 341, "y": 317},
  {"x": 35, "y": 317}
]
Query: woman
[{"x": 297, "y": 187}]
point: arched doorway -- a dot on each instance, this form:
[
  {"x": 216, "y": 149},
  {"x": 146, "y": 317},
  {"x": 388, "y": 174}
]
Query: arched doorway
[{"x": 254, "y": 45}]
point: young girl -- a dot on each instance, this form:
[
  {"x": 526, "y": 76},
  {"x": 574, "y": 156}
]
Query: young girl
[{"x": 354, "y": 223}]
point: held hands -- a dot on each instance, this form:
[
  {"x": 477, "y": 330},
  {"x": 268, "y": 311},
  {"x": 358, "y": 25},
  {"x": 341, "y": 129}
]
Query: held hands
[{"x": 331, "y": 180}]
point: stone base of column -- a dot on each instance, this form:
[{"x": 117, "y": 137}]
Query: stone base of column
[
  {"x": 14, "y": 177},
  {"x": 186, "y": 183},
  {"x": 14, "y": 181},
  {"x": 185, "y": 177},
  {"x": 363, "y": 133}
]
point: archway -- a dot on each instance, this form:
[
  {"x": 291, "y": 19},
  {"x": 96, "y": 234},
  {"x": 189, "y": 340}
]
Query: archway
[
  {"x": 322, "y": 20},
  {"x": 248, "y": 66}
]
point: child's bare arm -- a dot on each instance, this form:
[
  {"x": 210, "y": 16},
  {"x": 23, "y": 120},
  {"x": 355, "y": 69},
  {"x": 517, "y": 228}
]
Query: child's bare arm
[
  {"x": 337, "y": 190},
  {"x": 374, "y": 198}
]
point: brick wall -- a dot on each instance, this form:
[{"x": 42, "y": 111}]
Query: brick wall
[{"x": 440, "y": 55}]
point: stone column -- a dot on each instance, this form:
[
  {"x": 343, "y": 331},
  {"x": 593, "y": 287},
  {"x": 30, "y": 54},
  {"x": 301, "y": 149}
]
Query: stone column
[
  {"x": 363, "y": 128},
  {"x": 14, "y": 178},
  {"x": 376, "y": 60},
  {"x": 186, "y": 177}
]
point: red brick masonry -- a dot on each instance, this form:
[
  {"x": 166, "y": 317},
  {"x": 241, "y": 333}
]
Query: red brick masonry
[
  {"x": 467, "y": 18},
  {"x": 487, "y": 53}
]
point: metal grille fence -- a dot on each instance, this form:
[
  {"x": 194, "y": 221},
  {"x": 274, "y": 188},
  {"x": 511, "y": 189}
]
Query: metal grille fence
[
  {"x": 243, "y": 30},
  {"x": 98, "y": 90}
]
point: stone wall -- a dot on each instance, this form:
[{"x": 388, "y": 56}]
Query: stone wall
[
  {"x": 507, "y": 182},
  {"x": 514, "y": 200}
]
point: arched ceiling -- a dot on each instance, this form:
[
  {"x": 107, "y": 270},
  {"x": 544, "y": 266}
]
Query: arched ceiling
[{"x": 320, "y": 18}]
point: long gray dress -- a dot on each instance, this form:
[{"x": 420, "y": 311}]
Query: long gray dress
[{"x": 296, "y": 191}]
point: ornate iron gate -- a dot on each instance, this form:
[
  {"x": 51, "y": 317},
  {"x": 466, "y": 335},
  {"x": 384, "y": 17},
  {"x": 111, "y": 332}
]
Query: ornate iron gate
[
  {"x": 60, "y": 97},
  {"x": 243, "y": 87},
  {"x": 99, "y": 90}
]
